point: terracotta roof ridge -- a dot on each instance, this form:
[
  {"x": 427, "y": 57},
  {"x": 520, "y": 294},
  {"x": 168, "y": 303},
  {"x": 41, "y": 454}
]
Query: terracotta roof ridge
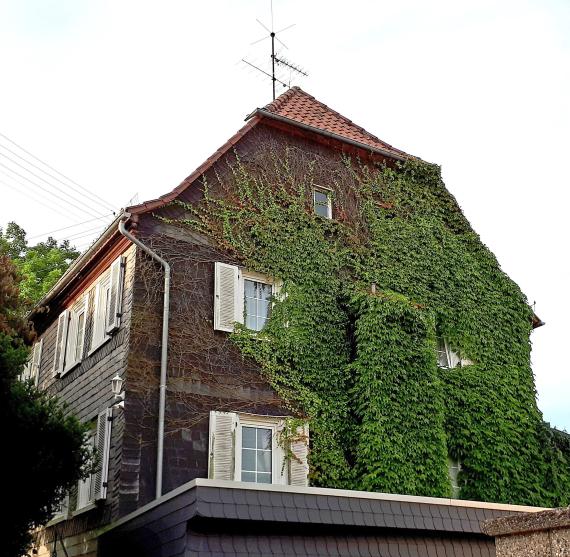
[{"x": 283, "y": 99}]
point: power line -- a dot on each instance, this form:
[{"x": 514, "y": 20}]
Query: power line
[
  {"x": 43, "y": 180},
  {"x": 82, "y": 209},
  {"x": 67, "y": 227},
  {"x": 93, "y": 199},
  {"x": 48, "y": 205},
  {"x": 57, "y": 171}
]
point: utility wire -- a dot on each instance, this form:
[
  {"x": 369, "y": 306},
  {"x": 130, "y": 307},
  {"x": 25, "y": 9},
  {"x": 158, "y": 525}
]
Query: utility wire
[
  {"x": 82, "y": 209},
  {"x": 44, "y": 180},
  {"x": 57, "y": 171},
  {"x": 93, "y": 198},
  {"x": 43, "y": 203},
  {"x": 67, "y": 227}
]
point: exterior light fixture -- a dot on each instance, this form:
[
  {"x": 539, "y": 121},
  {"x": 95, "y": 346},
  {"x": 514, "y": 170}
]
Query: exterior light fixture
[{"x": 116, "y": 389}]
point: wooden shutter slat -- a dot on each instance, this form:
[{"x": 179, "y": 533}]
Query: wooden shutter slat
[
  {"x": 60, "y": 342},
  {"x": 226, "y": 297},
  {"x": 298, "y": 463},
  {"x": 223, "y": 426},
  {"x": 115, "y": 295},
  {"x": 36, "y": 361},
  {"x": 103, "y": 445}
]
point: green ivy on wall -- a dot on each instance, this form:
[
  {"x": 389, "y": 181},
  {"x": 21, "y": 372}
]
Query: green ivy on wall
[{"x": 351, "y": 342}]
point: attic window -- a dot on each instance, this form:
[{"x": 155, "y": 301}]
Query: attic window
[{"x": 322, "y": 202}]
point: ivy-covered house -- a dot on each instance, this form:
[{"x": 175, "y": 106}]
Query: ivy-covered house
[{"x": 317, "y": 356}]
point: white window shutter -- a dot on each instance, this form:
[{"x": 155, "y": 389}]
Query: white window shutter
[
  {"x": 98, "y": 316},
  {"x": 103, "y": 445},
  {"x": 298, "y": 462},
  {"x": 36, "y": 361},
  {"x": 228, "y": 308},
  {"x": 115, "y": 295},
  {"x": 221, "y": 464},
  {"x": 60, "y": 342}
]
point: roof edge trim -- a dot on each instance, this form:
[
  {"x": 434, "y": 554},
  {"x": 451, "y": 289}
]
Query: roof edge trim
[{"x": 341, "y": 138}]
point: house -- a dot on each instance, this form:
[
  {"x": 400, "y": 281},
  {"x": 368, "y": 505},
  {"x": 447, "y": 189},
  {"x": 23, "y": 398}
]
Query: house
[{"x": 251, "y": 317}]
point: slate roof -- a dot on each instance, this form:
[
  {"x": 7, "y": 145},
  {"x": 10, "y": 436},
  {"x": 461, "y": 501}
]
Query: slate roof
[
  {"x": 208, "y": 517},
  {"x": 298, "y": 106}
]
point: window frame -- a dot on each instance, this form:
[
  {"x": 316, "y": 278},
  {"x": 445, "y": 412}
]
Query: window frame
[
  {"x": 255, "y": 277},
  {"x": 99, "y": 335},
  {"x": 71, "y": 346},
  {"x": 278, "y": 468},
  {"x": 328, "y": 192}
]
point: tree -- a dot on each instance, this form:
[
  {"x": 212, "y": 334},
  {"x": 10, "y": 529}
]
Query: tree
[
  {"x": 44, "y": 453},
  {"x": 41, "y": 265}
]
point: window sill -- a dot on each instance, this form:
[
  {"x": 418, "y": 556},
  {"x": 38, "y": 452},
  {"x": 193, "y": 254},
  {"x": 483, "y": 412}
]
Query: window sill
[
  {"x": 57, "y": 520},
  {"x": 84, "y": 509},
  {"x": 70, "y": 368},
  {"x": 102, "y": 343}
]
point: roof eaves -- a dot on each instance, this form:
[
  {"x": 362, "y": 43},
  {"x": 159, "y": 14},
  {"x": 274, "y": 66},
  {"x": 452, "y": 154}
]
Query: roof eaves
[
  {"x": 206, "y": 165},
  {"x": 86, "y": 256},
  {"x": 360, "y": 145}
]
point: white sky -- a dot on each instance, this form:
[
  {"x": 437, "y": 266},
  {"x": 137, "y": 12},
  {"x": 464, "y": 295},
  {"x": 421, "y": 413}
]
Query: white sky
[{"x": 128, "y": 97}]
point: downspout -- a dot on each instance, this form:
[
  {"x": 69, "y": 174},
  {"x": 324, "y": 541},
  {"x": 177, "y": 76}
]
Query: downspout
[{"x": 164, "y": 350}]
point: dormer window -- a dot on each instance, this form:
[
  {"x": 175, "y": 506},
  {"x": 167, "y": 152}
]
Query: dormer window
[{"x": 322, "y": 202}]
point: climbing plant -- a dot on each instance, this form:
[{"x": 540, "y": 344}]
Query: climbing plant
[{"x": 351, "y": 342}]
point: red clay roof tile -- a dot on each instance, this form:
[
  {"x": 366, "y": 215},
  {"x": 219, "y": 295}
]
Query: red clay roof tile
[{"x": 297, "y": 105}]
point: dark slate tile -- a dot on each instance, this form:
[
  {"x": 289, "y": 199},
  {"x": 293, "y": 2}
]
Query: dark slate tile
[
  {"x": 355, "y": 504},
  {"x": 394, "y": 521},
  {"x": 370, "y": 519},
  {"x": 326, "y": 517},
  {"x": 255, "y": 512},
  {"x": 291, "y": 514},
  {"x": 419, "y": 522},
  {"x": 226, "y": 495},
  {"x": 322, "y": 502},
  {"x": 365, "y": 505},
  {"x": 448, "y": 524},
  {"x": 252, "y": 497},
  {"x": 453, "y": 512},
  {"x": 210, "y": 494},
  {"x": 289, "y": 500},
  {"x": 267, "y": 513},
  {"x": 304, "y": 515},
  {"x": 333, "y": 503},
  {"x": 243, "y": 512},
  {"x": 311, "y": 502},
  {"x": 338, "y": 517},
  {"x": 438, "y": 523},
  {"x": 458, "y": 525},
  {"x": 409, "y": 521},
  {"x": 429, "y": 523},
  {"x": 344, "y": 503},
  {"x": 264, "y": 498},
  {"x": 279, "y": 514}
]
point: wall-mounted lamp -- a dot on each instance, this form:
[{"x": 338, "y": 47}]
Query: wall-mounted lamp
[{"x": 116, "y": 389}]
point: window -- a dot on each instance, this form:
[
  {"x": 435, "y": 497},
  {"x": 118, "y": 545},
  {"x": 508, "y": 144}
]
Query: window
[
  {"x": 249, "y": 448},
  {"x": 256, "y": 303},
  {"x": 76, "y": 333},
  {"x": 101, "y": 317},
  {"x": 241, "y": 297},
  {"x": 94, "y": 487},
  {"x": 31, "y": 370},
  {"x": 454, "y": 468},
  {"x": 322, "y": 202},
  {"x": 448, "y": 358},
  {"x": 256, "y": 454}
]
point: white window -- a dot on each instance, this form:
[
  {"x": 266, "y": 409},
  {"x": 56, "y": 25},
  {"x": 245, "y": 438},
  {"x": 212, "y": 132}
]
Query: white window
[
  {"x": 105, "y": 318},
  {"x": 250, "y": 448},
  {"x": 453, "y": 469},
  {"x": 76, "y": 333},
  {"x": 448, "y": 358},
  {"x": 322, "y": 202},
  {"x": 242, "y": 297},
  {"x": 31, "y": 370},
  {"x": 94, "y": 487}
]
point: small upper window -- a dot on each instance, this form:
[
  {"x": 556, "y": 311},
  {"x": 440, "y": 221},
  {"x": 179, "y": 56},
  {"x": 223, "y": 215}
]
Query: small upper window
[
  {"x": 448, "y": 358},
  {"x": 322, "y": 203}
]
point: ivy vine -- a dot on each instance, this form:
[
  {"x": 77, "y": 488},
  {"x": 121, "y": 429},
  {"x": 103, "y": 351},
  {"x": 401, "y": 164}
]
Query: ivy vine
[{"x": 351, "y": 342}]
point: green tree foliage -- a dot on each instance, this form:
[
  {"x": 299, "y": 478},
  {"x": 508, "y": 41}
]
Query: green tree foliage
[
  {"x": 351, "y": 342},
  {"x": 43, "y": 452},
  {"x": 41, "y": 265}
]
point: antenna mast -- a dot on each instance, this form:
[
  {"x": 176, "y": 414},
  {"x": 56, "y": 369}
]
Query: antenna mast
[{"x": 274, "y": 59}]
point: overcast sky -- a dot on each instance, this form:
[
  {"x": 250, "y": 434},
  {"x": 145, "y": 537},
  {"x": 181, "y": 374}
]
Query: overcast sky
[{"x": 128, "y": 97}]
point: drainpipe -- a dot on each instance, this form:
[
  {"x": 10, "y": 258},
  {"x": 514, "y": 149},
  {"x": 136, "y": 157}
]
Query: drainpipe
[{"x": 164, "y": 350}]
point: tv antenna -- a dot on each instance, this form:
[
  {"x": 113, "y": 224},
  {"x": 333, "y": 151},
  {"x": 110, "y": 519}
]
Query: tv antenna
[{"x": 275, "y": 59}]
